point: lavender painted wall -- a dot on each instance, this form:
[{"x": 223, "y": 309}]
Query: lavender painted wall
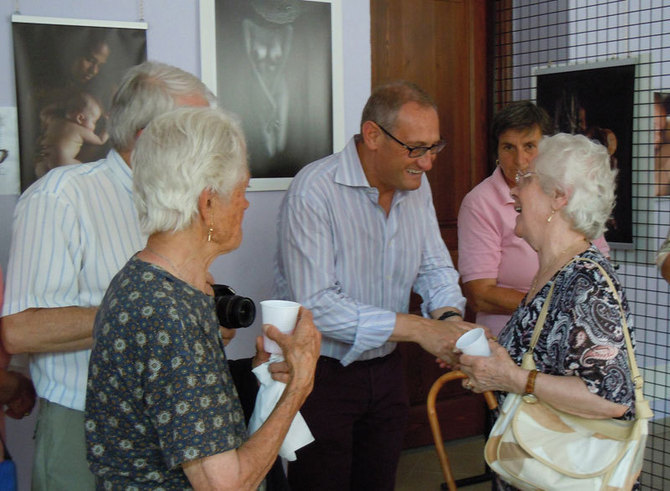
[{"x": 174, "y": 37}]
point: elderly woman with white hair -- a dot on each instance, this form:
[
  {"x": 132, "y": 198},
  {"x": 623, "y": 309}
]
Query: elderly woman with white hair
[
  {"x": 563, "y": 200},
  {"x": 161, "y": 409}
]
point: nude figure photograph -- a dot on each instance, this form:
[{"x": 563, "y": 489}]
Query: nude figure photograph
[{"x": 273, "y": 60}]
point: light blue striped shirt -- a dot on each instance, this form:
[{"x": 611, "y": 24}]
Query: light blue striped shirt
[
  {"x": 343, "y": 258},
  {"x": 73, "y": 230}
]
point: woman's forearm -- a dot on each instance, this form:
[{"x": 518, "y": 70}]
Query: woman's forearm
[
  {"x": 485, "y": 295},
  {"x": 570, "y": 394},
  {"x": 567, "y": 393}
]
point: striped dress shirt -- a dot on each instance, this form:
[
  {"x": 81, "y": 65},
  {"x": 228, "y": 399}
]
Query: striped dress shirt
[
  {"x": 340, "y": 256},
  {"x": 73, "y": 230}
]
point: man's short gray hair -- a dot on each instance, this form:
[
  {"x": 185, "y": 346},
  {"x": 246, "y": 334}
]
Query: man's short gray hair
[
  {"x": 148, "y": 90},
  {"x": 385, "y": 102},
  {"x": 180, "y": 154},
  {"x": 580, "y": 168}
]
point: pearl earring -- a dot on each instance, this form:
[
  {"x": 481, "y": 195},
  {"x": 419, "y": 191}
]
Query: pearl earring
[{"x": 551, "y": 216}]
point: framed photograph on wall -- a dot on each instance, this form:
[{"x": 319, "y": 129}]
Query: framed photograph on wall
[
  {"x": 596, "y": 100},
  {"x": 277, "y": 65},
  {"x": 66, "y": 73},
  {"x": 661, "y": 144},
  {"x": 9, "y": 152}
]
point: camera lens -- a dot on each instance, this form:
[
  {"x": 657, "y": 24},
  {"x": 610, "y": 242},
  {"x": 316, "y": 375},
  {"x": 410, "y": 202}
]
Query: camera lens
[{"x": 233, "y": 311}]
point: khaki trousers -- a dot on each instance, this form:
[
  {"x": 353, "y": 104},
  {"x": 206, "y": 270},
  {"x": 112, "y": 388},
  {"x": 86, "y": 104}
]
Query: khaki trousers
[{"x": 60, "y": 450}]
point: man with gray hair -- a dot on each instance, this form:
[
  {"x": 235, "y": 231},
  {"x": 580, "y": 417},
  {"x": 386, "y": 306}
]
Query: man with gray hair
[{"x": 73, "y": 231}]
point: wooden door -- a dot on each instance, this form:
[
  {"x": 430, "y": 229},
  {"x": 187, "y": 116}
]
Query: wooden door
[{"x": 441, "y": 45}]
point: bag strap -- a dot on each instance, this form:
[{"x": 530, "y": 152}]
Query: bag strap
[
  {"x": 642, "y": 409},
  {"x": 527, "y": 361}
]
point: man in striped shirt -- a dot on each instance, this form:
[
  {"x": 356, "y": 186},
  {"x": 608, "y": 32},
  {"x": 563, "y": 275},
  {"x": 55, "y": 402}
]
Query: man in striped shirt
[
  {"x": 73, "y": 231},
  {"x": 358, "y": 232}
]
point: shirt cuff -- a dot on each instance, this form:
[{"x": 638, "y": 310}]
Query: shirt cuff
[
  {"x": 374, "y": 329},
  {"x": 438, "y": 303}
]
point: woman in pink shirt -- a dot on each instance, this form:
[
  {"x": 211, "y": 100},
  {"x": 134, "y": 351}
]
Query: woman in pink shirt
[{"x": 496, "y": 266}]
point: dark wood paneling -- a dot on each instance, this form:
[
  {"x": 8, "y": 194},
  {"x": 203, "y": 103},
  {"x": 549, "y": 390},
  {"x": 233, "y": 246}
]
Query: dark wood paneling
[{"x": 441, "y": 45}]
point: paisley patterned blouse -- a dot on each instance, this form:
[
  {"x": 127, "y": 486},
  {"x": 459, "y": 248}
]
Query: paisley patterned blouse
[{"x": 582, "y": 334}]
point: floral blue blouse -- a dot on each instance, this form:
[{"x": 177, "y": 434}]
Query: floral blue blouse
[{"x": 159, "y": 388}]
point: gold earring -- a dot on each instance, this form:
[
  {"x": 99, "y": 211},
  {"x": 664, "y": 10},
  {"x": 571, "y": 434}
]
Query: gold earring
[
  {"x": 551, "y": 216},
  {"x": 210, "y": 231}
]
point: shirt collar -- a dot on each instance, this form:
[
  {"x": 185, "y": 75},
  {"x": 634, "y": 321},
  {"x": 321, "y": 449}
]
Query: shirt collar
[
  {"x": 500, "y": 185},
  {"x": 120, "y": 169},
  {"x": 350, "y": 173}
]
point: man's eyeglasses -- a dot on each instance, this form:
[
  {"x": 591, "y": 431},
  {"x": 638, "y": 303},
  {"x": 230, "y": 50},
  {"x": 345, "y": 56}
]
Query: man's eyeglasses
[
  {"x": 520, "y": 176},
  {"x": 416, "y": 152}
]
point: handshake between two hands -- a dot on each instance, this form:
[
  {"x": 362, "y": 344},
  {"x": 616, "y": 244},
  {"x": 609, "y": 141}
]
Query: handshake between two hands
[
  {"x": 486, "y": 365},
  {"x": 470, "y": 340}
]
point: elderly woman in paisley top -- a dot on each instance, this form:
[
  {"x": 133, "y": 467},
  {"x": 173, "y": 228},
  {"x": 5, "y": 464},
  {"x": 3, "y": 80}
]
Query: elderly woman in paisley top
[
  {"x": 161, "y": 409},
  {"x": 563, "y": 200},
  {"x": 497, "y": 266}
]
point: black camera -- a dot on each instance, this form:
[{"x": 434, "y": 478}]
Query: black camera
[{"x": 233, "y": 310}]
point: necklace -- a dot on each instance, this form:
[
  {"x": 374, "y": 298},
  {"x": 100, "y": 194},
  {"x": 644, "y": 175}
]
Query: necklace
[
  {"x": 196, "y": 281},
  {"x": 164, "y": 258}
]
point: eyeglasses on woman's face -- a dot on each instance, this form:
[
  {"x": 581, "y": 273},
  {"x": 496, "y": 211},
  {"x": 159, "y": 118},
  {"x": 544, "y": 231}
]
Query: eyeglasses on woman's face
[{"x": 521, "y": 176}]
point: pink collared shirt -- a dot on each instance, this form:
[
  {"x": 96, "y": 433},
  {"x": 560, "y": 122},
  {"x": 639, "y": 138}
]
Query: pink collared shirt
[{"x": 488, "y": 247}]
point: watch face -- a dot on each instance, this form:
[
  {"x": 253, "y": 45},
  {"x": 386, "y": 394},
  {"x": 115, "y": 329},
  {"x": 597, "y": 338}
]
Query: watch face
[{"x": 529, "y": 398}]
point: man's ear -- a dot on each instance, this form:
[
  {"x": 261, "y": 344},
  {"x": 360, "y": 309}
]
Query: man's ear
[{"x": 371, "y": 134}]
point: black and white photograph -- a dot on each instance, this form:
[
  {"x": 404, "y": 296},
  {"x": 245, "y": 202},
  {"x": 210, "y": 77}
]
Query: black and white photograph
[
  {"x": 274, "y": 69},
  {"x": 66, "y": 76}
]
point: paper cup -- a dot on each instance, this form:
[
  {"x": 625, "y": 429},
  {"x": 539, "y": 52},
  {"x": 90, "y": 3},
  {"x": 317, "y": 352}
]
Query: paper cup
[
  {"x": 474, "y": 343},
  {"x": 282, "y": 314}
]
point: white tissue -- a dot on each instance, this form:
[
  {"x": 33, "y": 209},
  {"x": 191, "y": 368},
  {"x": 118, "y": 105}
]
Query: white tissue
[{"x": 268, "y": 394}]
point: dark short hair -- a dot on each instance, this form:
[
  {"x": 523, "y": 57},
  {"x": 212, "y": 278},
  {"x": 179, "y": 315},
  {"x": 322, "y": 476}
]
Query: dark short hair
[
  {"x": 520, "y": 115},
  {"x": 386, "y": 100}
]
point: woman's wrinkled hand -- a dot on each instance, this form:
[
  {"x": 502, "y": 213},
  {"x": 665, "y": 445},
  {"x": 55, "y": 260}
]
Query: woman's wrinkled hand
[
  {"x": 279, "y": 370},
  {"x": 450, "y": 362},
  {"x": 301, "y": 349},
  {"x": 495, "y": 372}
]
